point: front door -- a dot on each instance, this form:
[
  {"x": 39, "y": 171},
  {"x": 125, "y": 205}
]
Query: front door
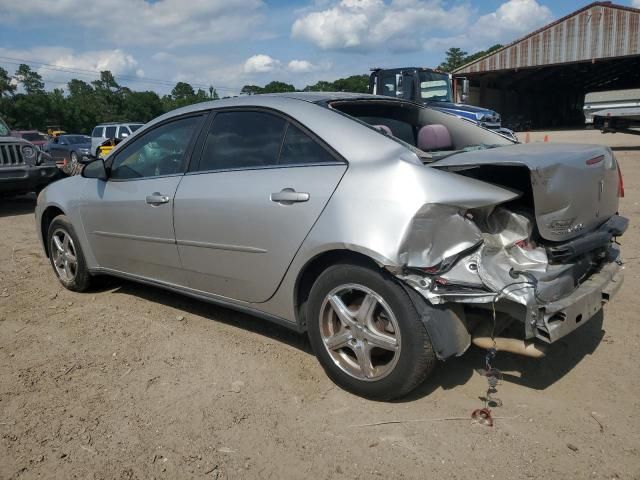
[
  {"x": 129, "y": 218},
  {"x": 242, "y": 214}
]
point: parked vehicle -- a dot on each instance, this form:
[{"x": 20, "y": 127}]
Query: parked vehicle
[
  {"x": 433, "y": 89},
  {"x": 107, "y": 146},
  {"x": 54, "y": 131},
  {"x": 613, "y": 111},
  {"x": 69, "y": 148},
  {"x": 106, "y": 131},
  {"x": 392, "y": 233},
  {"x": 23, "y": 168},
  {"x": 32, "y": 136}
]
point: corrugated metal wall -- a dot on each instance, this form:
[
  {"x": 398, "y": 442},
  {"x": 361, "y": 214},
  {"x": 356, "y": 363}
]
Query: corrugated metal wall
[{"x": 596, "y": 32}]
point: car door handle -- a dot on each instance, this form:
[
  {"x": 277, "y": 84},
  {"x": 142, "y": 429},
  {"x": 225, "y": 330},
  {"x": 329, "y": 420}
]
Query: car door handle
[
  {"x": 287, "y": 196},
  {"x": 157, "y": 199}
]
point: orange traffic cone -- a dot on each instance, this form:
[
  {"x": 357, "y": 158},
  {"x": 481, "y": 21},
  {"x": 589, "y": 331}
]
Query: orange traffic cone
[
  {"x": 546, "y": 138},
  {"x": 526, "y": 138}
]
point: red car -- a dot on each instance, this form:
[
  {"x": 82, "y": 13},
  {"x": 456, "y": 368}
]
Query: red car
[{"x": 32, "y": 136}]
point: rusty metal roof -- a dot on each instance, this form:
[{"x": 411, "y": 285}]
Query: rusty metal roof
[{"x": 599, "y": 30}]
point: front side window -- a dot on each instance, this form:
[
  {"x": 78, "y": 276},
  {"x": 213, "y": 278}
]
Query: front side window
[
  {"x": 158, "y": 152},
  {"x": 299, "y": 148},
  {"x": 242, "y": 140},
  {"x": 110, "y": 132}
]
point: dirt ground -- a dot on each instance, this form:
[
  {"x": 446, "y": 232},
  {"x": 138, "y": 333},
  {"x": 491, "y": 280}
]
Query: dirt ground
[{"x": 130, "y": 381}]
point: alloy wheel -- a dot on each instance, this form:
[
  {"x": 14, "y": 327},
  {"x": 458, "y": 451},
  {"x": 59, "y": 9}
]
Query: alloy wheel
[
  {"x": 360, "y": 332},
  {"x": 63, "y": 252}
]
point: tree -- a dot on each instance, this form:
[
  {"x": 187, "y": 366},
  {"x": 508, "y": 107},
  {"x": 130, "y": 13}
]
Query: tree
[
  {"x": 278, "y": 87},
  {"x": 30, "y": 80},
  {"x": 354, "y": 83},
  {"x": 250, "y": 90},
  {"x": 6, "y": 87},
  {"x": 454, "y": 58}
]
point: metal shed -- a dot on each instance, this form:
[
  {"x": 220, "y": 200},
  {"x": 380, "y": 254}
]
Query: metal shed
[{"x": 541, "y": 79}]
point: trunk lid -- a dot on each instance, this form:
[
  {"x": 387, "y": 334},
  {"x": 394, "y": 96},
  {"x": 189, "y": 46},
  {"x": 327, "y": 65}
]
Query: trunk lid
[{"x": 574, "y": 187}]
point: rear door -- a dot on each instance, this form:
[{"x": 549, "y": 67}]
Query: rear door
[{"x": 242, "y": 213}]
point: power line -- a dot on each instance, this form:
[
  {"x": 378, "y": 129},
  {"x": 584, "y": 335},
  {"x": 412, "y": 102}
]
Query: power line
[{"x": 93, "y": 73}]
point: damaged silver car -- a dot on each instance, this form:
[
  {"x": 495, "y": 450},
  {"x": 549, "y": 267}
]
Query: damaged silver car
[{"x": 393, "y": 234}]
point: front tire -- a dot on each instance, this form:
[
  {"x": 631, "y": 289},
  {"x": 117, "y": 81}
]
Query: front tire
[
  {"x": 367, "y": 334},
  {"x": 66, "y": 256}
]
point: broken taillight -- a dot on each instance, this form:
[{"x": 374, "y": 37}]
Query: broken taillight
[{"x": 620, "y": 183}]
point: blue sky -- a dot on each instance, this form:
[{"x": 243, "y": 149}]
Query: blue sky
[{"x": 151, "y": 45}]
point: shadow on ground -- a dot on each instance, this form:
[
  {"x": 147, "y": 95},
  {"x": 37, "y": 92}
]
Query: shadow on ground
[
  {"x": 562, "y": 357},
  {"x": 208, "y": 310},
  {"x": 10, "y": 206}
]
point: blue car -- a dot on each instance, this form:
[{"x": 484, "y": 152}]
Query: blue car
[{"x": 69, "y": 148}]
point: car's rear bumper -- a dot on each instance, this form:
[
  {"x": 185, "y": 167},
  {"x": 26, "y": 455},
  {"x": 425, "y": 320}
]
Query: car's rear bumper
[
  {"x": 26, "y": 178},
  {"x": 559, "y": 318}
]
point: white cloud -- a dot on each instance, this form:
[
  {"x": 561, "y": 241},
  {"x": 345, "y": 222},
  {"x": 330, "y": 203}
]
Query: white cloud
[
  {"x": 302, "y": 66},
  {"x": 261, "y": 64},
  {"x": 134, "y": 22},
  {"x": 406, "y": 25},
  {"x": 511, "y": 20},
  {"x": 635, "y": 3},
  {"x": 362, "y": 25},
  {"x": 57, "y": 65}
]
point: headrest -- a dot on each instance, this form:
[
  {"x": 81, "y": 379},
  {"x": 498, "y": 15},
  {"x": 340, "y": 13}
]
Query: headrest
[{"x": 434, "y": 137}]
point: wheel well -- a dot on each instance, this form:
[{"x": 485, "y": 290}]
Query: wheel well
[
  {"x": 47, "y": 217},
  {"x": 315, "y": 267}
]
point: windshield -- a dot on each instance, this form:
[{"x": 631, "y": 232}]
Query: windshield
[
  {"x": 135, "y": 127},
  {"x": 33, "y": 137},
  {"x": 4, "y": 130},
  {"x": 75, "y": 139},
  {"x": 435, "y": 87}
]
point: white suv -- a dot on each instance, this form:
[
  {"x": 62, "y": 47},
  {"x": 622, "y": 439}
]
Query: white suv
[{"x": 105, "y": 131}]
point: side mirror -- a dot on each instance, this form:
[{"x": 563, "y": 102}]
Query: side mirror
[
  {"x": 124, "y": 134},
  {"x": 95, "y": 169},
  {"x": 465, "y": 90}
]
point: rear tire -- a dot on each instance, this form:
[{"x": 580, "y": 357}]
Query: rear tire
[
  {"x": 66, "y": 256},
  {"x": 376, "y": 346}
]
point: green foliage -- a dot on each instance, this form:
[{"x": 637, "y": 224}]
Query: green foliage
[
  {"x": 85, "y": 104},
  {"x": 456, "y": 57}
]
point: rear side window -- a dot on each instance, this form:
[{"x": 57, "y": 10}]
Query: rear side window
[
  {"x": 97, "y": 132},
  {"x": 243, "y": 140},
  {"x": 299, "y": 148},
  {"x": 110, "y": 132},
  {"x": 124, "y": 132}
]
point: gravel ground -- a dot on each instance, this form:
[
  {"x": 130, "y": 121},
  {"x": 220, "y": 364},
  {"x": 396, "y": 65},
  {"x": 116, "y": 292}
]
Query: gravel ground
[{"x": 129, "y": 381}]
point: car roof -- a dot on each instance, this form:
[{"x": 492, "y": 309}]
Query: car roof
[{"x": 117, "y": 124}]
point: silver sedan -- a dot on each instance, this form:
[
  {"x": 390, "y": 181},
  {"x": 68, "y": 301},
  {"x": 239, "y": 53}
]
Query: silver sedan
[{"x": 392, "y": 234}]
